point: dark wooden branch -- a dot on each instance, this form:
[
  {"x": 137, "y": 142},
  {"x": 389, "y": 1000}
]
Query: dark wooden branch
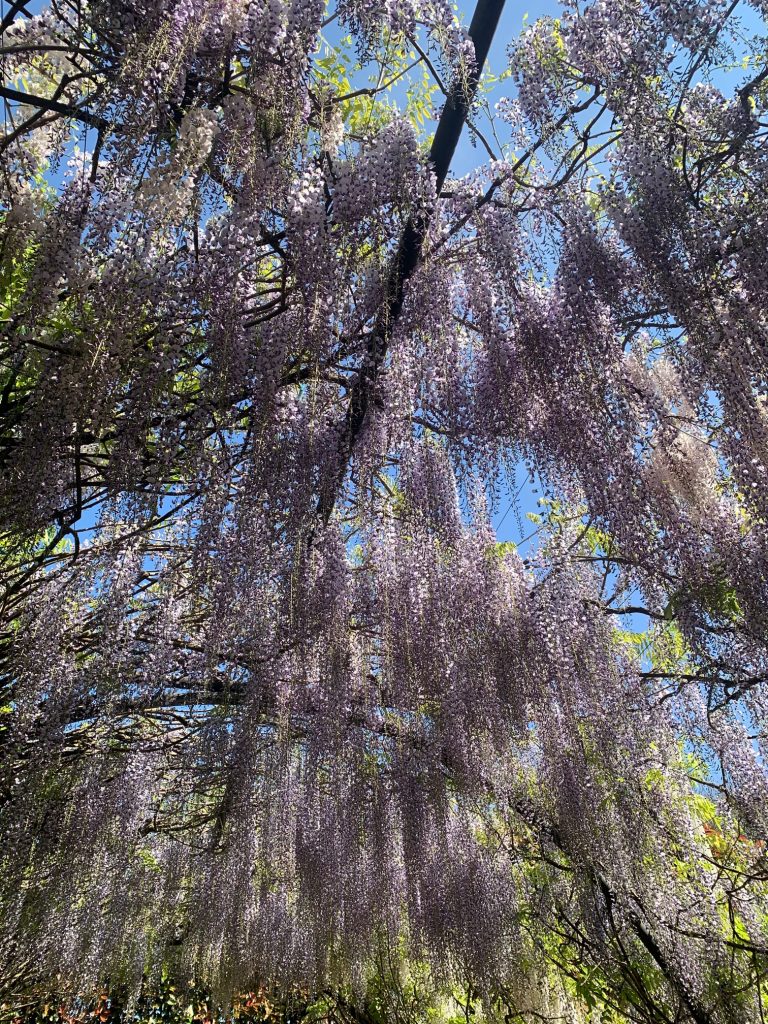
[
  {"x": 548, "y": 832},
  {"x": 53, "y": 106},
  {"x": 408, "y": 257}
]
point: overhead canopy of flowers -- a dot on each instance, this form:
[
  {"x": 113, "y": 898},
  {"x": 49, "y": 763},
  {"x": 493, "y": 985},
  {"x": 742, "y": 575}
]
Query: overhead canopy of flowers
[{"x": 277, "y": 699}]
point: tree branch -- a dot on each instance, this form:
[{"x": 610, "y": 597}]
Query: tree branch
[{"x": 452, "y": 120}]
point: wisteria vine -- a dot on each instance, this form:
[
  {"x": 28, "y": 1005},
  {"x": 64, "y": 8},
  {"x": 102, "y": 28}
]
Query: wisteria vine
[{"x": 280, "y": 710}]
